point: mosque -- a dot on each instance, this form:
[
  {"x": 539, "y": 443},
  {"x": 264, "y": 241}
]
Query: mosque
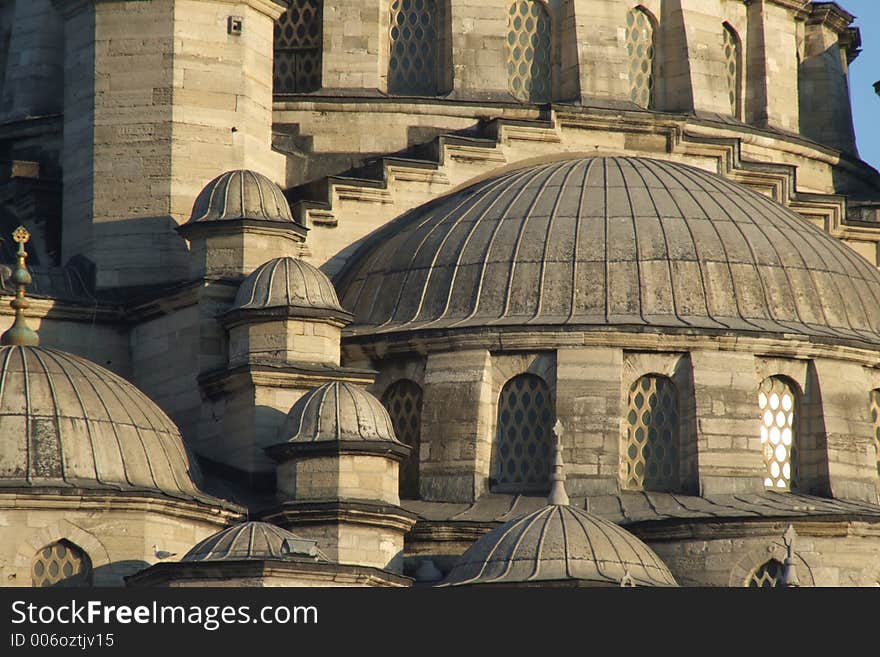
[{"x": 436, "y": 293}]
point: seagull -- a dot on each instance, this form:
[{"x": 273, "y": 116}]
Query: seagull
[{"x": 162, "y": 554}]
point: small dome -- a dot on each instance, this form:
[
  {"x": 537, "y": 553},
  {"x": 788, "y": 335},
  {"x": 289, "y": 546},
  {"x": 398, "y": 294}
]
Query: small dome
[
  {"x": 611, "y": 242},
  {"x": 560, "y": 543},
  {"x": 67, "y": 422},
  {"x": 286, "y": 283},
  {"x": 252, "y": 541},
  {"x": 337, "y": 411},
  {"x": 241, "y": 194}
]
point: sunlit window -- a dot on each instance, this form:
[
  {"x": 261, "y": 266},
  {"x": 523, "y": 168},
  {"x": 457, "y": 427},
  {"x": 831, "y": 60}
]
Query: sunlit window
[{"x": 778, "y": 407}]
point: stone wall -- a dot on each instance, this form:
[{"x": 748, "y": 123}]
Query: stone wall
[{"x": 118, "y": 538}]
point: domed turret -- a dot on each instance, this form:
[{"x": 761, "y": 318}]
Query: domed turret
[
  {"x": 337, "y": 475},
  {"x": 285, "y": 311},
  {"x": 237, "y": 220}
]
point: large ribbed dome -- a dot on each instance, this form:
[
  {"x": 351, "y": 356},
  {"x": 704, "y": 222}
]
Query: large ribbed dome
[
  {"x": 560, "y": 543},
  {"x": 337, "y": 411},
  {"x": 286, "y": 283},
  {"x": 601, "y": 242},
  {"x": 66, "y": 422},
  {"x": 241, "y": 194},
  {"x": 248, "y": 541}
]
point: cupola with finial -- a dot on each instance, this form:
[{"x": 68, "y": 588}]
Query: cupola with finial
[{"x": 559, "y": 545}]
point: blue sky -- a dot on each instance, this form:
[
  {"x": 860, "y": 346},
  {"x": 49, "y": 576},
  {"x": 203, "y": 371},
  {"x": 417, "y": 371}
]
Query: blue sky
[{"x": 863, "y": 73}]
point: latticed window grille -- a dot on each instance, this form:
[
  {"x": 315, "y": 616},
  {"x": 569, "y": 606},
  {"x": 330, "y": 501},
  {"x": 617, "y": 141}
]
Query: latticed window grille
[
  {"x": 650, "y": 455},
  {"x": 412, "y": 66},
  {"x": 524, "y": 434},
  {"x": 528, "y": 51},
  {"x": 778, "y": 405},
  {"x": 61, "y": 564},
  {"x": 403, "y": 401},
  {"x": 732, "y": 68},
  {"x": 298, "y": 48},
  {"x": 875, "y": 416},
  {"x": 768, "y": 576},
  {"x": 641, "y": 49}
]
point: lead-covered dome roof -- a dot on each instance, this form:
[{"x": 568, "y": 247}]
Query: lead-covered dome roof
[
  {"x": 287, "y": 283},
  {"x": 241, "y": 194},
  {"x": 337, "y": 411},
  {"x": 250, "y": 541},
  {"x": 611, "y": 242},
  {"x": 564, "y": 544},
  {"x": 66, "y": 422}
]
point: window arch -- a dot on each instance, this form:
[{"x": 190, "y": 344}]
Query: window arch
[
  {"x": 61, "y": 564},
  {"x": 403, "y": 401},
  {"x": 733, "y": 69},
  {"x": 641, "y": 48},
  {"x": 298, "y": 46},
  {"x": 528, "y": 51},
  {"x": 413, "y": 64},
  {"x": 875, "y": 417},
  {"x": 778, "y": 401},
  {"x": 524, "y": 435},
  {"x": 767, "y": 576},
  {"x": 650, "y": 455}
]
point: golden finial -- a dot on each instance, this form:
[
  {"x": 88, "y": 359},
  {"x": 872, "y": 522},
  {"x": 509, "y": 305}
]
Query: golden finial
[{"x": 20, "y": 333}]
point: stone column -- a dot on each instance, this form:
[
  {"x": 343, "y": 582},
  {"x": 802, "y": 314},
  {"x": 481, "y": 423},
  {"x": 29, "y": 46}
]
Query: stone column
[
  {"x": 590, "y": 407},
  {"x": 34, "y": 74},
  {"x": 479, "y": 30},
  {"x": 729, "y": 456},
  {"x": 160, "y": 97},
  {"x": 457, "y": 420}
]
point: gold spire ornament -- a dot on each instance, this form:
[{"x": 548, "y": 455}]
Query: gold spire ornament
[{"x": 20, "y": 333}]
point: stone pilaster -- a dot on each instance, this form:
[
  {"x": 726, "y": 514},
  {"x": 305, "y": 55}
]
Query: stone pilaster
[
  {"x": 457, "y": 419},
  {"x": 729, "y": 453},
  {"x": 589, "y": 405}
]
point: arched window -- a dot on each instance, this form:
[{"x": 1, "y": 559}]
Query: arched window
[
  {"x": 875, "y": 416},
  {"x": 528, "y": 51},
  {"x": 650, "y": 452},
  {"x": 641, "y": 48},
  {"x": 733, "y": 69},
  {"x": 61, "y": 564},
  {"x": 767, "y": 576},
  {"x": 403, "y": 401},
  {"x": 523, "y": 446},
  {"x": 298, "y": 47},
  {"x": 777, "y": 401},
  {"x": 413, "y": 61}
]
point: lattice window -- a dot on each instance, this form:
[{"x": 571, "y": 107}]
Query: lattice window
[
  {"x": 732, "y": 69},
  {"x": 524, "y": 434},
  {"x": 641, "y": 49},
  {"x": 412, "y": 66},
  {"x": 767, "y": 576},
  {"x": 298, "y": 48},
  {"x": 528, "y": 51},
  {"x": 875, "y": 416},
  {"x": 403, "y": 400},
  {"x": 61, "y": 564},
  {"x": 778, "y": 405},
  {"x": 650, "y": 454}
]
